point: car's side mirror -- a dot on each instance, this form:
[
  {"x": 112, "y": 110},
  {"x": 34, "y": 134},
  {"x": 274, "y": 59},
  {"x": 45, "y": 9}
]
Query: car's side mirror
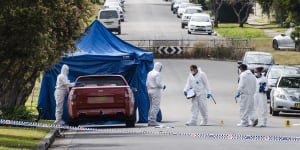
[
  {"x": 282, "y": 34},
  {"x": 134, "y": 89},
  {"x": 239, "y": 62}
]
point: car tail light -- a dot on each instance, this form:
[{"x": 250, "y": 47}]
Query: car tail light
[{"x": 72, "y": 96}]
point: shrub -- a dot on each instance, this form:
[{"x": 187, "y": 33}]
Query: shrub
[{"x": 18, "y": 113}]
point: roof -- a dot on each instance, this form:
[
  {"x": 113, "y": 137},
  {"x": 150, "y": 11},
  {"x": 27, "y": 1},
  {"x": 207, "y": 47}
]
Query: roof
[{"x": 256, "y": 53}]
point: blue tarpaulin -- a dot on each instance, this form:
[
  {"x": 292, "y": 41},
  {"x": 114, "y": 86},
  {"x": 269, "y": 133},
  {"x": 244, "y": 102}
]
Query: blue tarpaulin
[{"x": 100, "y": 52}]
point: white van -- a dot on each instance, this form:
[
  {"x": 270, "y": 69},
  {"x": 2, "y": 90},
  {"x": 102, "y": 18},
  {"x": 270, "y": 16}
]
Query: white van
[{"x": 110, "y": 18}]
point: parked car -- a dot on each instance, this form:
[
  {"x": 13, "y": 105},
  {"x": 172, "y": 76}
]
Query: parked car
[
  {"x": 110, "y": 18},
  {"x": 177, "y": 3},
  {"x": 182, "y": 8},
  {"x": 284, "y": 41},
  {"x": 274, "y": 74},
  {"x": 200, "y": 23},
  {"x": 186, "y": 16},
  {"x": 115, "y": 5},
  {"x": 285, "y": 96},
  {"x": 254, "y": 59},
  {"x": 103, "y": 98}
]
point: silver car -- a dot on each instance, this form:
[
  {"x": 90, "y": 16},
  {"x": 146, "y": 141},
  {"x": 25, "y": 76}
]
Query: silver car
[
  {"x": 284, "y": 41},
  {"x": 274, "y": 74},
  {"x": 285, "y": 96}
]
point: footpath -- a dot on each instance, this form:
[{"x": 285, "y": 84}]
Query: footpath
[{"x": 252, "y": 21}]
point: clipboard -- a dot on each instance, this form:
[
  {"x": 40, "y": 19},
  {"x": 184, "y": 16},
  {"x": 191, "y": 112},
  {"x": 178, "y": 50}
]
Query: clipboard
[{"x": 190, "y": 94}]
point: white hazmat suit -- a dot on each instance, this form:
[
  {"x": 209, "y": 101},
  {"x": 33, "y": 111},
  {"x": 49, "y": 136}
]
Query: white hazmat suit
[
  {"x": 154, "y": 87},
  {"x": 261, "y": 99},
  {"x": 247, "y": 88},
  {"x": 61, "y": 90},
  {"x": 199, "y": 84}
]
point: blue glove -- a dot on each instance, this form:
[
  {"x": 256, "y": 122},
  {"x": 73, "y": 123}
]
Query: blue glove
[
  {"x": 185, "y": 93},
  {"x": 238, "y": 94},
  {"x": 262, "y": 87},
  {"x": 208, "y": 95},
  {"x": 78, "y": 83}
]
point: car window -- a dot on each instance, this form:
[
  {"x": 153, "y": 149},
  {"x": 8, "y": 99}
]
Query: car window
[
  {"x": 288, "y": 32},
  {"x": 200, "y": 18},
  {"x": 289, "y": 82},
  {"x": 276, "y": 73},
  {"x": 101, "y": 81},
  {"x": 259, "y": 59},
  {"x": 192, "y": 11},
  {"x": 108, "y": 14}
]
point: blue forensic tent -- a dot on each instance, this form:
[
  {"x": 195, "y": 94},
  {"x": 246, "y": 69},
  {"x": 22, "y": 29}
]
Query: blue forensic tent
[{"x": 100, "y": 52}]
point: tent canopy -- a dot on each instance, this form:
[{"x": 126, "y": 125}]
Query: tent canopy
[{"x": 100, "y": 52}]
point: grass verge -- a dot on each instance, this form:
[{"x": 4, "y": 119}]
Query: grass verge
[
  {"x": 21, "y": 137},
  {"x": 234, "y": 31}
]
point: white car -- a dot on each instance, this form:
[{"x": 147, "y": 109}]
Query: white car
[
  {"x": 110, "y": 18},
  {"x": 200, "y": 23},
  {"x": 177, "y": 3},
  {"x": 284, "y": 41},
  {"x": 115, "y": 5},
  {"x": 186, "y": 16},
  {"x": 182, "y": 8},
  {"x": 285, "y": 96}
]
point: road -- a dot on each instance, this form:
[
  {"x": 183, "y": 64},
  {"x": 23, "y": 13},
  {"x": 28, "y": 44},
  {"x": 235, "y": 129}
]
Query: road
[
  {"x": 153, "y": 20},
  {"x": 176, "y": 111}
]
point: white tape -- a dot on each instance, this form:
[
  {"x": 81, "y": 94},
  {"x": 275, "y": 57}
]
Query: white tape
[{"x": 161, "y": 133}]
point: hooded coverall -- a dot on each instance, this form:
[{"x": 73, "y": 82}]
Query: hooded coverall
[
  {"x": 247, "y": 88},
  {"x": 198, "y": 83},
  {"x": 154, "y": 87},
  {"x": 61, "y": 90}
]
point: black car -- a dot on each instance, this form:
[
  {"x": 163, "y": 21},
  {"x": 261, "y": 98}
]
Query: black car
[
  {"x": 275, "y": 72},
  {"x": 254, "y": 59}
]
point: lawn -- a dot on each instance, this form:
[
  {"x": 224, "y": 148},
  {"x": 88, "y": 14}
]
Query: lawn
[
  {"x": 260, "y": 41},
  {"x": 234, "y": 31},
  {"x": 21, "y": 137}
]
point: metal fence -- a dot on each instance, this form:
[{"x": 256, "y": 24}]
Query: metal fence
[{"x": 213, "y": 48}]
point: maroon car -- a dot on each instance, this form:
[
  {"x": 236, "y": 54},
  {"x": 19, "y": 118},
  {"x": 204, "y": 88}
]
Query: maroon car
[{"x": 101, "y": 98}]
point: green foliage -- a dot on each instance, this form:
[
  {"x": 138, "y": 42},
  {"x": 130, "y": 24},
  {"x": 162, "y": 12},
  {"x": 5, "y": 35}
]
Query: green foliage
[
  {"x": 33, "y": 36},
  {"x": 20, "y": 137},
  {"x": 234, "y": 31},
  {"x": 295, "y": 35},
  {"x": 18, "y": 113}
]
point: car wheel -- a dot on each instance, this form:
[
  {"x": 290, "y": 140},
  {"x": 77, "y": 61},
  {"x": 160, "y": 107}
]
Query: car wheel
[
  {"x": 182, "y": 26},
  {"x": 275, "y": 45},
  {"x": 131, "y": 121},
  {"x": 119, "y": 31},
  {"x": 189, "y": 32},
  {"x": 209, "y": 33},
  {"x": 273, "y": 112},
  {"x": 74, "y": 122}
]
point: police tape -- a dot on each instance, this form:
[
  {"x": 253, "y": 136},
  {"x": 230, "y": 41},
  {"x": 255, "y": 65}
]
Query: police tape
[{"x": 134, "y": 131}]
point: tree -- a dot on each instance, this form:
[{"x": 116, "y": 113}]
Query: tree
[
  {"x": 217, "y": 4},
  {"x": 33, "y": 36},
  {"x": 239, "y": 7},
  {"x": 266, "y": 6}
]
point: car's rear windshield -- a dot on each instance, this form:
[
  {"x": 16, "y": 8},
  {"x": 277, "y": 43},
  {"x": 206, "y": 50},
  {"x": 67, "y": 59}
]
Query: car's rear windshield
[
  {"x": 108, "y": 14},
  {"x": 275, "y": 73},
  {"x": 259, "y": 59},
  {"x": 192, "y": 11},
  {"x": 289, "y": 82},
  {"x": 101, "y": 81},
  {"x": 200, "y": 18}
]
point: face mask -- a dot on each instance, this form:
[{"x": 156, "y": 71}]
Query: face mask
[{"x": 257, "y": 74}]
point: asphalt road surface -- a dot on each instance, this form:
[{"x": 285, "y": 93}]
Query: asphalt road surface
[
  {"x": 153, "y": 20},
  {"x": 176, "y": 111}
]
